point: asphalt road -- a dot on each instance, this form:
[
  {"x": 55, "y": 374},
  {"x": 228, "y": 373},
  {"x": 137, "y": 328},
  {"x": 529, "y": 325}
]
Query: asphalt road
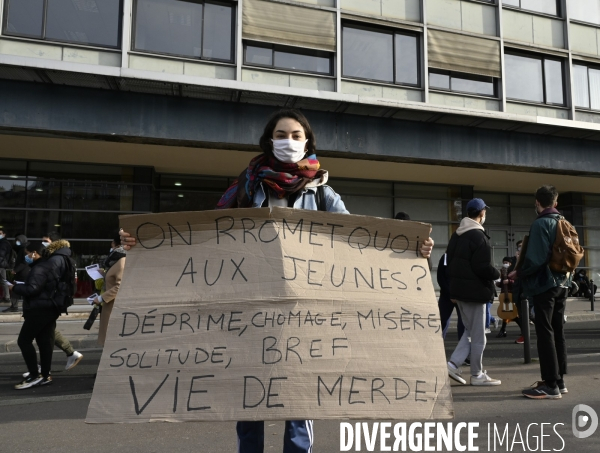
[{"x": 51, "y": 419}]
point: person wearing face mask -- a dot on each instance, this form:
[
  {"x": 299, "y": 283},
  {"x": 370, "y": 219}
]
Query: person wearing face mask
[
  {"x": 548, "y": 290},
  {"x": 73, "y": 356},
  {"x": 286, "y": 174},
  {"x": 472, "y": 274},
  {"x": 5, "y": 258},
  {"x": 21, "y": 268},
  {"x": 114, "y": 266},
  {"x": 40, "y": 310}
]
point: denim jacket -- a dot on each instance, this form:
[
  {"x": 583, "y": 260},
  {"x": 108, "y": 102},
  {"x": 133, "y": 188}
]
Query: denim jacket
[{"x": 307, "y": 198}]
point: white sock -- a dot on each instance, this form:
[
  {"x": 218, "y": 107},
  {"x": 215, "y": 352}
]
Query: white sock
[{"x": 452, "y": 365}]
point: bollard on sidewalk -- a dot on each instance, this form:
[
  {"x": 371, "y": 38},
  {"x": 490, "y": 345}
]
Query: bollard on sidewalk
[
  {"x": 592, "y": 296},
  {"x": 525, "y": 330}
]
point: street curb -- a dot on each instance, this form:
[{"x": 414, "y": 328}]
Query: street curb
[{"x": 78, "y": 343}]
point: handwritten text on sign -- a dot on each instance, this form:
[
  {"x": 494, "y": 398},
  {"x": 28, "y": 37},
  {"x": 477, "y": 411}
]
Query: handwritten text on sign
[{"x": 258, "y": 314}]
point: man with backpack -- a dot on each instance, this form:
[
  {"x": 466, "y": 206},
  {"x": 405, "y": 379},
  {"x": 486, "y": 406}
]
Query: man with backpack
[
  {"x": 6, "y": 254},
  {"x": 551, "y": 254},
  {"x": 47, "y": 292}
]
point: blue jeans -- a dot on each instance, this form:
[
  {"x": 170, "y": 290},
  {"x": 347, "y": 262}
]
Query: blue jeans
[
  {"x": 298, "y": 437},
  {"x": 488, "y": 315}
]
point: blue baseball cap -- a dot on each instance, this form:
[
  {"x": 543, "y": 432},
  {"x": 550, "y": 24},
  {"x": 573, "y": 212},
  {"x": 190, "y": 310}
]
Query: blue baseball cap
[{"x": 477, "y": 204}]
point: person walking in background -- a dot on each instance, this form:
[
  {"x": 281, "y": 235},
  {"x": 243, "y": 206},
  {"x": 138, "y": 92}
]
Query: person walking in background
[
  {"x": 114, "y": 266},
  {"x": 472, "y": 276},
  {"x": 42, "y": 305},
  {"x": 5, "y": 258},
  {"x": 73, "y": 356},
  {"x": 549, "y": 291}
]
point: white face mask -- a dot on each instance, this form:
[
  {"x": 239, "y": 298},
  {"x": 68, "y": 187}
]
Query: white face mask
[
  {"x": 18, "y": 243},
  {"x": 483, "y": 220},
  {"x": 289, "y": 151},
  {"x": 45, "y": 244},
  {"x": 506, "y": 265},
  {"x": 2, "y": 236}
]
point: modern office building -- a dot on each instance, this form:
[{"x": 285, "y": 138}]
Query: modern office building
[{"x": 111, "y": 107}]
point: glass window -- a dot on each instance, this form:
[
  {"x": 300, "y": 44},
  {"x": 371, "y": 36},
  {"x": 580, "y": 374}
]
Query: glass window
[
  {"x": 407, "y": 59},
  {"x": 441, "y": 81},
  {"x": 587, "y": 87},
  {"x": 581, "y": 97},
  {"x": 298, "y": 62},
  {"x": 12, "y": 222},
  {"x": 381, "y": 55},
  {"x": 585, "y": 10},
  {"x": 91, "y": 22},
  {"x": 464, "y": 83},
  {"x": 553, "y": 74},
  {"x": 94, "y": 22},
  {"x": 259, "y": 56},
  {"x": 540, "y": 6},
  {"x": 25, "y": 18},
  {"x": 218, "y": 32},
  {"x": 193, "y": 29},
  {"x": 12, "y": 193},
  {"x": 535, "y": 79},
  {"x": 594, "y": 75},
  {"x": 284, "y": 57}
]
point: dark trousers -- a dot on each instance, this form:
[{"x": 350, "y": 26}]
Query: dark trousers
[
  {"x": 446, "y": 307},
  {"x": 40, "y": 329},
  {"x": 549, "y": 328},
  {"x": 298, "y": 437}
]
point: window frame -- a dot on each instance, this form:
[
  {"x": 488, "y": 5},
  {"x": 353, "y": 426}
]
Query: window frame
[
  {"x": 393, "y": 32},
  {"x": 559, "y": 10},
  {"x": 542, "y": 58},
  {"x": 234, "y": 6},
  {"x": 587, "y": 66},
  {"x": 466, "y": 76},
  {"x": 288, "y": 49},
  {"x": 43, "y": 38}
]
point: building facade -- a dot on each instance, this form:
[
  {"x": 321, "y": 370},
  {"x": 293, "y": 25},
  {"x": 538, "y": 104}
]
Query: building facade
[{"x": 111, "y": 107}]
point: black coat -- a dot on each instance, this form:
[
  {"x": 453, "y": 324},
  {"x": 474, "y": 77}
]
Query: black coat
[
  {"x": 41, "y": 282},
  {"x": 470, "y": 267},
  {"x": 442, "y": 277},
  {"x": 5, "y": 253}
]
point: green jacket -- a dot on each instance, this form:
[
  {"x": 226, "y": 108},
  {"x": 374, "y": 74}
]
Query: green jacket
[{"x": 535, "y": 275}]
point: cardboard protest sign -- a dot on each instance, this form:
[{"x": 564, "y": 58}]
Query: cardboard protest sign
[{"x": 273, "y": 314}]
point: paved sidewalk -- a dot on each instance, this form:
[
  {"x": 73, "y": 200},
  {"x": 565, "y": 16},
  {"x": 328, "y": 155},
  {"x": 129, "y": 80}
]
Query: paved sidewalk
[{"x": 71, "y": 326}]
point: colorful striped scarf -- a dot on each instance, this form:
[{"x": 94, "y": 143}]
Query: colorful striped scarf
[{"x": 283, "y": 179}]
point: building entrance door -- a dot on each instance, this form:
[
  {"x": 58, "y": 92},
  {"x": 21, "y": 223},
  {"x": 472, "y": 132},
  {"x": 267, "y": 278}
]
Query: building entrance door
[{"x": 504, "y": 242}]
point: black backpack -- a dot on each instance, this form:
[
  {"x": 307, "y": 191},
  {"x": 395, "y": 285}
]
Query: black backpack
[{"x": 66, "y": 287}]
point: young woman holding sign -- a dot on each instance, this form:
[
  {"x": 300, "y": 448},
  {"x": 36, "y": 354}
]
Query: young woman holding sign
[{"x": 286, "y": 174}]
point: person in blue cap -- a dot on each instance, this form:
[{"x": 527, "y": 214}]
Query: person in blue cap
[{"x": 472, "y": 274}]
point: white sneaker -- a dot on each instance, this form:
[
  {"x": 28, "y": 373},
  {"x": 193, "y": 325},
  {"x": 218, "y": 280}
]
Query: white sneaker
[
  {"x": 488, "y": 331},
  {"x": 73, "y": 360},
  {"x": 455, "y": 374},
  {"x": 26, "y": 375},
  {"x": 484, "y": 379}
]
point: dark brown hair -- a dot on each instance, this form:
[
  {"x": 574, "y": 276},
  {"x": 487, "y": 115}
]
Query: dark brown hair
[
  {"x": 546, "y": 196},
  {"x": 265, "y": 141}
]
